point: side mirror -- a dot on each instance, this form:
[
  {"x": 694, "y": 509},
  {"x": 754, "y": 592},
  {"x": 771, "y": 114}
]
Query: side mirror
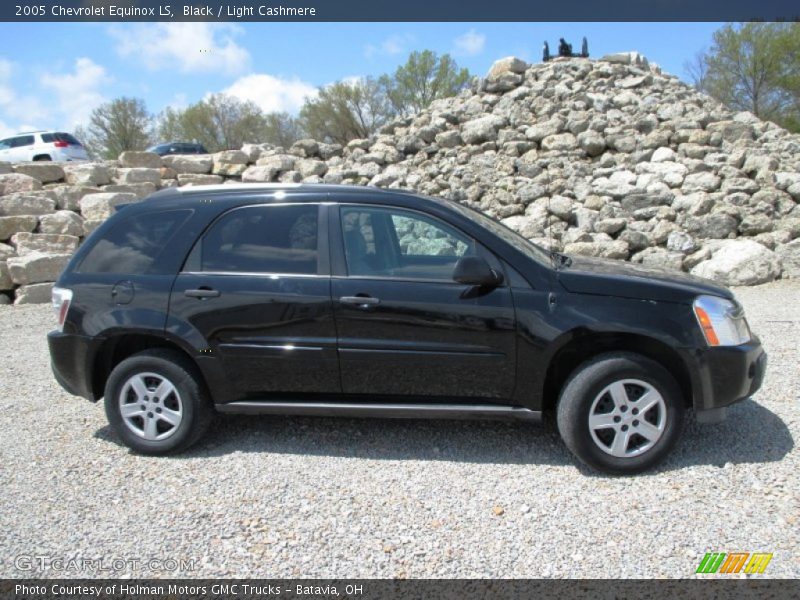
[{"x": 474, "y": 270}]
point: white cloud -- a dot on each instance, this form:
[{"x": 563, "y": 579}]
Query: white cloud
[
  {"x": 470, "y": 43},
  {"x": 187, "y": 47},
  {"x": 391, "y": 46},
  {"x": 76, "y": 93},
  {"x": 272, "y": 93},
  {"x": 22, "y": 109}
]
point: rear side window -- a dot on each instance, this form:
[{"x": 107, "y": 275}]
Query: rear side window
[
  {"x": 60, "y": 137},
  {"x": 263, "y": 239},
  {"x": 133, "y": 245}
]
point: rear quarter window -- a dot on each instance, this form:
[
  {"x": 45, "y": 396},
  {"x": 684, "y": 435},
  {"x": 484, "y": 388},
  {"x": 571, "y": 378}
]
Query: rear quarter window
[{"x": 133, "y": 245}]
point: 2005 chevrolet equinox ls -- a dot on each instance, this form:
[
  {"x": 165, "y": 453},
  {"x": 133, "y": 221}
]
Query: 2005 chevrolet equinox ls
[{"x": 335, "y": 300}]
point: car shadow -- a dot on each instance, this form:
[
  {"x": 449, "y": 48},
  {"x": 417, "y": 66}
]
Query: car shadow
[{"x": 752, "y": 434}]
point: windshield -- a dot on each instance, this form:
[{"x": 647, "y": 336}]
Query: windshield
[{"x": 502, "y": 231}]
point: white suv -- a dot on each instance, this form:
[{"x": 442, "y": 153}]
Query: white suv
[{"x": 42, "y": 145}]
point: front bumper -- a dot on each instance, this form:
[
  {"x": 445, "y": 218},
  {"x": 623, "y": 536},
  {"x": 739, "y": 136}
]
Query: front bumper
[
  {"x": 68, "y": 357},
  {"x": 726, "y": 375}
]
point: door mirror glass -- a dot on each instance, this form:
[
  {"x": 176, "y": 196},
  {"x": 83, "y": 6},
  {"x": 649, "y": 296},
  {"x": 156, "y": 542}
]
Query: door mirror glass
[{"x": 474, "y": 270}]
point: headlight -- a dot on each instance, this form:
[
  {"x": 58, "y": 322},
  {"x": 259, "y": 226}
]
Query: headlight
[{"x": 722, "y": 321}]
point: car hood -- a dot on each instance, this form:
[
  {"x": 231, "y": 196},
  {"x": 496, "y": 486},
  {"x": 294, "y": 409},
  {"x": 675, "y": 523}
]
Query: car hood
[{"x": 629, "y": 280}]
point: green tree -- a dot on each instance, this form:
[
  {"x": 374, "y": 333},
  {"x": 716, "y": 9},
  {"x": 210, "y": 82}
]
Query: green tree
[
  {"x": 116, "y": 126},
  {"x": 346, "y": 110},
  {"x": 281, "y": 129},
  {"x": 424, "y": 77},
  {"x": 753, "y": 66},
  {"x": 222, "y": 122}
]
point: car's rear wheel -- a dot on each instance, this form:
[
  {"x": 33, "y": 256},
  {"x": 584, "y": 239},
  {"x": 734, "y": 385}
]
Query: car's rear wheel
[
  {"x": 156, "y": 402},
  {"x": 42, "y": 157},
  {"x": 620, "y": 413}
]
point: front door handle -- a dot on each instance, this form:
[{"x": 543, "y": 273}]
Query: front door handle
[
  {"x": 359, "y": 301},
  {"x": 202, "y": 293}
]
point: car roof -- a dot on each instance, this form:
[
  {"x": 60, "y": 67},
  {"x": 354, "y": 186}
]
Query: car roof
[{"x": 238, "y": 194}]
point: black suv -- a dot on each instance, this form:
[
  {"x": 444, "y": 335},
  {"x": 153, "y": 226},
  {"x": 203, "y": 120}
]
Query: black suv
[
  {"x": 178, "y": 148},
  {"x": 334, "y": 300}
]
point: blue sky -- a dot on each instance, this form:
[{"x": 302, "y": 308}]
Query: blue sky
[{"x": 52, "y": 75}]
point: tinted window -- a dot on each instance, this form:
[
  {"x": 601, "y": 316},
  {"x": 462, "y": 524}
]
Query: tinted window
[
  {"x": 133, "y": 245},
  {"x": 60, "y": 137},
  {"x": 5, "y": 144},
  {"x": 263, "y": 239},
  {"x": 397, "y": 243},
  {"x": 23, "y": 140}
]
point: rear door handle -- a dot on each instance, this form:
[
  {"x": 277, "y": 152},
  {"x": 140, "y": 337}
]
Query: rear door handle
[
  {"x": 202, "y": 293},
  {"x": 359, "y": 301}
]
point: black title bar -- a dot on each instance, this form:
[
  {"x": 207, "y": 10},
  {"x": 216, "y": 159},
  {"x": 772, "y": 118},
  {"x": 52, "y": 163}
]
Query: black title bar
[{"x": 403, "y": 10}]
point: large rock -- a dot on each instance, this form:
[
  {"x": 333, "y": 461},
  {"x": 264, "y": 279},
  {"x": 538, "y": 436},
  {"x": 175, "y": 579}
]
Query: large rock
[
  {"x": 196, "y": 179},
  {"x": 278, "y": 162},
  {"x": 561, "y": 142},
  {"x": 87, "y": 174},
  {"x": 138, "y": 175},
  {"x": 45, "y": 172},
  {"x": 36, "y": 267},
  {"x": 5, "y": 277},
  {"x": 63, "y": 222},
  {"x": 614, "y": 249},
  {"x": 132, "y": 159},
  {"x": 36, "y": 293},
  {"x": 48, "y": 243},
  {"x": 140, "y": 189},
  {"x": 68, "y": 197},
  {"x": 187, "y": 163},
  {"x": 18, "y": 182},
  {"x": 27, "y": 203},
  {"x": 740, "y": 262},
  {"x": 483, "y": 129},
  {"x": 259, "y": 174},
  {"x": 98, "y": 207},
  {"x": 790, "y": 258},
  {"x": 15, "y": 224},
  {"x": 509, "y": 64}
]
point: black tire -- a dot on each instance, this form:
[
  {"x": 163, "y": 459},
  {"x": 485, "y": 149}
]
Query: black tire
[
  {"x": 42, "y": 157},
  {"x": 190, "y": 398},
  {"x": 584, "y": 388}
]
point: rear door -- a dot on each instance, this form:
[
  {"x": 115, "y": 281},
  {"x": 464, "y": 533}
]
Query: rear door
[
  {"x": 256, "y": 286},
  {"x": 405, "y": 327}
]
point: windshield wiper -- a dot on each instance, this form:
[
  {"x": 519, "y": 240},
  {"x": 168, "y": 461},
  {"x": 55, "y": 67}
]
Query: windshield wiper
[{"x": 560, "y": 260}]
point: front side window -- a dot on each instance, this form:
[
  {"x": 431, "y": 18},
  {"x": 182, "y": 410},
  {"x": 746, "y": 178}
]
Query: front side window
[
  {"x": 134, "y": 244},
  {"x": 398, "y": 243},
  {"x": 263, "y": 239}
]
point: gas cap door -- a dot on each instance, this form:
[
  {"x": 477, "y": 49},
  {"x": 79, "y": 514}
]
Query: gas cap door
[{"x": 122, "y": 292}]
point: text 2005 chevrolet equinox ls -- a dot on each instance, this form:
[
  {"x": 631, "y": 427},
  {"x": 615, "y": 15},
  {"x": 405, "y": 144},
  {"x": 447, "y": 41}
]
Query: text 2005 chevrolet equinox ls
[{"x": 331, "y": 300}]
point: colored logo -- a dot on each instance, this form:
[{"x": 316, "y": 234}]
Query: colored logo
[{"x": 735, "y": 562}]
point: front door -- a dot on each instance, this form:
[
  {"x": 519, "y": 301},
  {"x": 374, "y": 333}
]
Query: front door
[
  {"x": 257, "y": 288},
  {"x": 405, "y": 327}
]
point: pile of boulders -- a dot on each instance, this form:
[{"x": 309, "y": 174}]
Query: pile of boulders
[{"x": 609, "y": 158}]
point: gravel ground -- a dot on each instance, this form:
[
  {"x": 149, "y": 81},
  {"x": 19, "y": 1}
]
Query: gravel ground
[{"x": 314, "y": 497}]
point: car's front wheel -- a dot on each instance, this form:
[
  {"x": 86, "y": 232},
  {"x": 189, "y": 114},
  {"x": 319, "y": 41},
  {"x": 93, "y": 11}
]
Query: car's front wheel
[
  {"x": 620, "y": 413},
  {"x": 156, "y": 402}
]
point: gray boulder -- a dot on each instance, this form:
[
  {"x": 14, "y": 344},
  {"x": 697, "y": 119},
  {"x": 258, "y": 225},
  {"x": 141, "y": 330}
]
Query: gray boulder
[
  {"x": 740, "y": 262},
  {"x": 45, "y": 172},
  {"x": 36, "y": 267},
  {"x": 62, "y": 222}
]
